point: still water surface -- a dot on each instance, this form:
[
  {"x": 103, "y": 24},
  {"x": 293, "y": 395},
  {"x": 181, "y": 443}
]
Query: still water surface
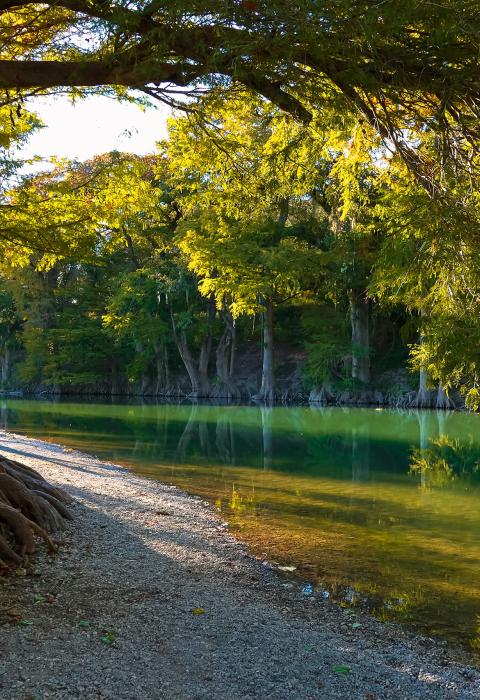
[{"x": 375, "y": 508}]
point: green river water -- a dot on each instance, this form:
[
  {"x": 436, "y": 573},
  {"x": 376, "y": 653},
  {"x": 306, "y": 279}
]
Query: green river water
[{"x": 375, "y": 508}]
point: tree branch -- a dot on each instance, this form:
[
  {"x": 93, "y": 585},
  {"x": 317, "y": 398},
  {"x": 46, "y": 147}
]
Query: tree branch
[{"x": 49, "y": 74}]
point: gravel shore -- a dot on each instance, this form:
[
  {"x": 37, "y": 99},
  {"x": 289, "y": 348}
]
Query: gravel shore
[{"x": 151, "y": 598}]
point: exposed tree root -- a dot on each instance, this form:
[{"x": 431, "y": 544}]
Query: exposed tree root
[{"x": 30, "y": 508}]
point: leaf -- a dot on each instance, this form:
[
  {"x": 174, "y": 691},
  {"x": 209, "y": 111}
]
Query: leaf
[
  {"x": 109, "y": 637},
  {"x": 341, "y": 670},
  {"x": 84, "y": 623},
  {"x": 25, "y": 623},
  {"x": 198, "y": 611},
  {"x": 356, "y": 625},
  {"x": 15, "y": 614}
]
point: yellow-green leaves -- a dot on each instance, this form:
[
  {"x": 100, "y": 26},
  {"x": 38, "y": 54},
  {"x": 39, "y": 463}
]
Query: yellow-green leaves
[
  {"x": 244, "y": 173},
  {"x": 76, "y": 210}
]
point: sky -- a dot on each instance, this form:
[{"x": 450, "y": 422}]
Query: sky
[{"x": 92, "y": 126}]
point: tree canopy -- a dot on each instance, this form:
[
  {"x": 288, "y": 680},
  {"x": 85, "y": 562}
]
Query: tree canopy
[
  {"x": 329, "y": 160},
  {"x": 400, "y": 63}
]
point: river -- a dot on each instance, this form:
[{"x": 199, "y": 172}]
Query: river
[{"x": 375, "y": 508}]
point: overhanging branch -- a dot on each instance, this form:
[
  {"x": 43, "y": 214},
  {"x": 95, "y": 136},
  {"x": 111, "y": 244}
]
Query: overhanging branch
[{"x": 49, "y": 74}]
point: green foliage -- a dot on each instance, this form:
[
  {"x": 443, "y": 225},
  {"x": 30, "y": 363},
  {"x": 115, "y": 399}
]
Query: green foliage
[
  {"x": 243, "y": 265},
  {"x": 109, "y": 637},
  {"x": 445, "y": 460},
  {"x": 115, "y": 265},
  {"x": 250, "y": 228},
  {"x": 36, "y": 355},
  {"x": 429, "y": 263},
  {"x": 407, "y": 65},
  {"x": 329, "y": 344},
  {"x": 134, "y": 315}
]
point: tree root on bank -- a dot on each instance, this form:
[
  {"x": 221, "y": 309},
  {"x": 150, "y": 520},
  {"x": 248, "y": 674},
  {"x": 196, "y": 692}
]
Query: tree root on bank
[{"x": 29, "y": 507}]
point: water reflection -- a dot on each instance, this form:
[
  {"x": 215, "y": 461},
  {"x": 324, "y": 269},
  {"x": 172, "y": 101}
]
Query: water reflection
[
  {"x": 360, "y": 440},
  {"x": 445, "y": 460},
  {"x": 374, "y": 508}
]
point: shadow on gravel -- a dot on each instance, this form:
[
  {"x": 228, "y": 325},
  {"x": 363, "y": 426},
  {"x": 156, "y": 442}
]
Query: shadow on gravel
[{"x": 14, "y": 453}]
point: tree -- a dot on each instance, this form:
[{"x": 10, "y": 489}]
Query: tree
[
  {"x": 398, "y": 64},
  {"x": 120, "y": 278},
  {"x": 245, "y": 233},
  {"x": 135, "y": 315},
  {"x": 29, "y": 506},
  {"x": 10, "y": 325},
  {"x": 67, "y": 211},
  {"x": 350, "y": 199},
  {"x": 243, "y": 211},
  {"x": 251, "y": 270},
  {"x": 429, "y": 262}
]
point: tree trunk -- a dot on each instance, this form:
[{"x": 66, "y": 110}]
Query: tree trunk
[
  {"x": 189, "y": 363},
  {"x": 187, "y": 359},
  {"x": 144, "y": 381},
  {"x": 267, "y": 390},
  {"x": 114, "y": 379},
  {"x": 359, "y": 312},
  {"x": 203, "y": 362},
  {"x": 29, "y": 507},
  {"x": 161, "y": 369},
  {"x": 233, "y": 348},
  {"x": 198, "y": 374},
  {"x": 5, "y": 366},
  {"x": 225, "y": 360},
  {"x": 425, "y": 397},
  {"x": 206, "y": 350},
  {"x": 443, "y": 403}
]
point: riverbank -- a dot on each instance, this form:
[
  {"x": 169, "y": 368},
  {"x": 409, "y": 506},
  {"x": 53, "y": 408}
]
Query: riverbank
[
  {"x": 150, "y": 597},
  {"x": 317, "y": 398}
]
